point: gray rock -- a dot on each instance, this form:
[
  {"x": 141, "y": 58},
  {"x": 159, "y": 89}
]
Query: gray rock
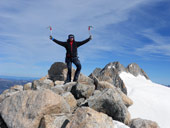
[
  {"x": 27, "y": 86},
  {"x": 55, "y": 121},
  {"x": 26, "y": 108},
  {"x": 135, "y": 70},
  {"x": 109, "y": 102},
  {"x": 111, "y": 74},
  {"x": 86, "y": 117},
  {"x": 42, "y": 84},
  {"x": 57, "y": 71},
  {"x": 142, "y": 123},
  {"x": 58, "y": 89},
  {"x": 82, "y": 90}
]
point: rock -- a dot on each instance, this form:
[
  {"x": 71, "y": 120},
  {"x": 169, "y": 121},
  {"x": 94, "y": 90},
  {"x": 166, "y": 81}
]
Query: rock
[
  {"x": 26, "y": 108},
  {"x": 58, "y": 71},
  {"x": 17, "y": 88},
  {"x": 96, "y": 72},
  {"x": 42, "y": 84},
  {"x": 136, "y": 70},
  {"x": 67, "y": 87},
  {"x": 55, "y": 121},
  {"x": 110, "y": 73},
  {"x": 57, "y": 82},
  {"x": 141, "y": 123},
  {"x": 58, "y": 89},
  {"x": 10, "y": 92},
  {"x": 116, "y": 66},
  {"x": 70, "y": 100},
  {"x": 27, "y": 86},
  {"x": 86, "y": 117},
  {"x": 80, "y": 102},
  {"x": 126, "y": 100},
  {"x": 82, "y": 90},
  {"x": 84, "y": 79},
  {"x": 110, "y": 102}
]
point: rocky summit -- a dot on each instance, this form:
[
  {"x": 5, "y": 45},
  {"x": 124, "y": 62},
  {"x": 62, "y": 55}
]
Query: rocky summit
[{"x": 97, "y": 101}]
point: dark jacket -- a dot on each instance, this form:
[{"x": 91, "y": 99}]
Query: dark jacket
[{"x": 71, "y": 52}]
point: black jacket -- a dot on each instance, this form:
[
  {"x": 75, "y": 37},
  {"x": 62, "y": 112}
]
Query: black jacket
[{"x": 71, "y": 52}]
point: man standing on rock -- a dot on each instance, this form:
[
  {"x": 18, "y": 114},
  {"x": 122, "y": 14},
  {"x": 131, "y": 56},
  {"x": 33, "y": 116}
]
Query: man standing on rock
[{"x": 71, "y": 55}]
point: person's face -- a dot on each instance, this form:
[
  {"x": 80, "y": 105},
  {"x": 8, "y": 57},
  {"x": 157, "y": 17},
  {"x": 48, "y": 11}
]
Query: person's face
[{"x": 71, "y": 39}]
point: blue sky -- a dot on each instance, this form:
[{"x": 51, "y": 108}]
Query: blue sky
[{"x": 126, "y": 31}]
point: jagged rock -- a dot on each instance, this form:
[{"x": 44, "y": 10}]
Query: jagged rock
[
  {"x": 110, "y": 102},
  {"x": 136, "y": 70},
  {"x": 26, "y": 108},
  {"x": 80, "y": 101},
  {"x": 86, "y": 117},
  {"x": 55, "y": 121},
  {"x": 96, "y": 72},
  {"x": 142, "y": 123},
  {"x": 70, "y": 100},
  {"x": 116, "y": 66},
  {"x": 82, "y": 90},
  {"x": 28, "y": 86},
  {"x": 58, "y": 89},
  {"x": 111, "y": 75},
  {"x": 40, "y": 84}
]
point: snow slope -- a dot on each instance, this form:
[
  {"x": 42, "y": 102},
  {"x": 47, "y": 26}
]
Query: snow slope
[{"x": 151, "y": 100}]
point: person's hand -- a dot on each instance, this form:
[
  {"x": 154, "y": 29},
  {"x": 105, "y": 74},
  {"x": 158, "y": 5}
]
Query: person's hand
[
  {"x": 91, "y": 37},
  {"x": 51, "y": 37}
]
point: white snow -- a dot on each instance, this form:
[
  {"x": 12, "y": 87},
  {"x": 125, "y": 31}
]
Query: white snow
[{"x": 151, "y": 100}]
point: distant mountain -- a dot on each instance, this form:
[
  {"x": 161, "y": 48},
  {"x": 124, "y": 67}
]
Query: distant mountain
[{"x": 8, "y": 81}]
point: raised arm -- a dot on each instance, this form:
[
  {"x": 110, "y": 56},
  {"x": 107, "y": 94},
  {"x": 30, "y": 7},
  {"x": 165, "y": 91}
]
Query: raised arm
[
  {"x": 79, "y": 43},
  {"x": 58, "y": 42}
]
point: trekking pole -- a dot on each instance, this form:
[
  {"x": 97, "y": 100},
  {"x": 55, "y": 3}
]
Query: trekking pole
[{"x": 89, "y": 29}]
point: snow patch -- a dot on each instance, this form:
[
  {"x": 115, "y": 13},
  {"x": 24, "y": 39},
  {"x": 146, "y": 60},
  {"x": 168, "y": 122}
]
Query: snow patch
[{"x": 151, "y": 100}]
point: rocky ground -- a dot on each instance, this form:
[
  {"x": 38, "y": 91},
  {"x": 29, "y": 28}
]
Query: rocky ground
[{"x": 97, "y": 101}]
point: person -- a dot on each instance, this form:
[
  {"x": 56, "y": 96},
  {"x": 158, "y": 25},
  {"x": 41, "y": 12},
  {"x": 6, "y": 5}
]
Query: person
[{"x": 71, "y": 55}]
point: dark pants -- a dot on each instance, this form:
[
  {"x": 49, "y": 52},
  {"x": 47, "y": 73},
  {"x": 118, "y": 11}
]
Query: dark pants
[{"x": 69, "y": 62}]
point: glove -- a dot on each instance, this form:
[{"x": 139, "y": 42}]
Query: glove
[
  {"x": 51, "y": 37},
  {"x": 90, "y": 37}
]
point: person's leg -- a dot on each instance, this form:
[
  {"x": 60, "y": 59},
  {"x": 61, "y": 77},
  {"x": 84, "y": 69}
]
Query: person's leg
[
  {"x": 69, "y": 67},
  {"x": 78, "y": 65}
]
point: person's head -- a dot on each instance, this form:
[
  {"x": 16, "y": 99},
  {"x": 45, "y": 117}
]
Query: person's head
[{"x": 71, "y": 37}]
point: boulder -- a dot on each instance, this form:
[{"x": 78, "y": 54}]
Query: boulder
[
  {"x": 55, "y": 121},
  {"x": 86, "y": 117},
  {"x": 58, "y": 89},
  {"x": 42, "y": 84},
  {"x": 82, "y": 90},
  {"x": 70, "y": 100},
  {"x": 27, "y": 86},
  {"x": 110, "y": 102},
  {"x": 58, "y": 71},
  {"x": 142, "y": 123},
  {"x": 26, "y": 108},
  {"x": 135, "y": 70},
  {"x": 10, "y": 92}
]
